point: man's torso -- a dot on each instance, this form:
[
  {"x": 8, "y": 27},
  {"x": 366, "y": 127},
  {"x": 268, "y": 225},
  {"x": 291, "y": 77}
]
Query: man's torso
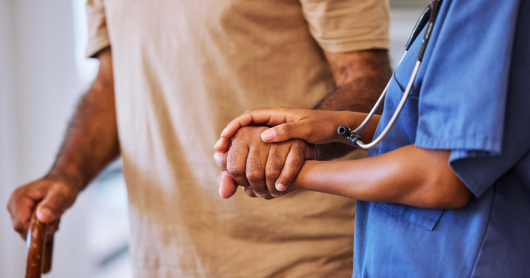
[{"x": 183, "y": 70}]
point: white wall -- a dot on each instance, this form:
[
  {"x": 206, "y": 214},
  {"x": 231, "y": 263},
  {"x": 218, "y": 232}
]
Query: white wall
[
  {"x": 38, "y": 91},
  {"x": 11, "y": 247}
]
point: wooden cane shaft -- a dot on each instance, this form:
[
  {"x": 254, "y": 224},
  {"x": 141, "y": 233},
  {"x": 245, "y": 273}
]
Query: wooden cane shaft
[
  {"x": 48, "y": 254},
  {"x": 35, "y": 241}
]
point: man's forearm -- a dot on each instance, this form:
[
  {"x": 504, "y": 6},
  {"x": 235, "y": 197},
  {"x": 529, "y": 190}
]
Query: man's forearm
[
  {"x": 92, "y": 137},
  {"x": 360, "y": 78},
  {"x": 91, "y": 141}
]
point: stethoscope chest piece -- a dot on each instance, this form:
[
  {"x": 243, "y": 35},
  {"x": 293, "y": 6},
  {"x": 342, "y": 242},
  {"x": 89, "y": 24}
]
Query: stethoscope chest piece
[{"x": 351, "y": 136}]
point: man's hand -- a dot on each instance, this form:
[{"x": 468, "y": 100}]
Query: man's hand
[
  {"x": 90, "y": 144},
  {"x": 265, "y": 170},
  {"x": 55, "y": 197}
]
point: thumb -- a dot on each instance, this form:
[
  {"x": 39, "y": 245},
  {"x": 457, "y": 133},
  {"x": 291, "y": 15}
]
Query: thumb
[
  {"x": 286, "y": 131},
  {"x": 53, "y": 206},
  {"x": 227, "y": 185}
]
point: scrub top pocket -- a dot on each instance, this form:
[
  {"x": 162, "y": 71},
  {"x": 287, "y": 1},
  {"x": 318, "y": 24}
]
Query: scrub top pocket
[{"x": 402, "y": 134}]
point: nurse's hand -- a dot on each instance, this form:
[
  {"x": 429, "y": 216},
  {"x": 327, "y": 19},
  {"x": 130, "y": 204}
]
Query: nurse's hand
[
  {"x": 264, "y": 170},
  {"x": 312, "y": 126}
]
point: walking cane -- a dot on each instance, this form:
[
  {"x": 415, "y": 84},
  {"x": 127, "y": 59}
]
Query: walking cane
[{"x": 39, "y": 258}]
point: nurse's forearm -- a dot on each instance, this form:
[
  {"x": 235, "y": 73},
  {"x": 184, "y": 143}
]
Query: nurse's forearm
[{"x": 409, "y": 175}]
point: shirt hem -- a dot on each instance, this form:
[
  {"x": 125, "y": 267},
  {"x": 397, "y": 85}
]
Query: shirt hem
[
  {"x": 96, "y": 46},
  {"x": 348, "y": 46},
  {"x": 479, "y": 143}
]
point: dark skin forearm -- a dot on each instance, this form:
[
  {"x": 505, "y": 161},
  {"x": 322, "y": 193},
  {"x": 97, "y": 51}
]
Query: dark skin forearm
[
  {"x": 360, "y": 77},
  {"x": 409, "y": 175},
  {"x": 92, "y": 136}
]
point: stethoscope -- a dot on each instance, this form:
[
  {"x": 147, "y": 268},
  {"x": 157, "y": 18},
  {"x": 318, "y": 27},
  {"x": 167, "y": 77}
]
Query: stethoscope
[{"x": 428, "y": 16}]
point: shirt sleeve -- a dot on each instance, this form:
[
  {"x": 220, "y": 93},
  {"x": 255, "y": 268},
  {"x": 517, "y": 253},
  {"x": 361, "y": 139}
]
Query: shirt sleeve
[
  {"x": 348, "y": 25},
  {"x": 463, "y": 95},
  {"x": 98, "y": 37}
]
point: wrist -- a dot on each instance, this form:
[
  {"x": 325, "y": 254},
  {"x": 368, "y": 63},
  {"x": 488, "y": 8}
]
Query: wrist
[
  {"x": 303, "y": 178},
  {"x": 313, "y": 152},
  {"x": 70, "y": 177}
]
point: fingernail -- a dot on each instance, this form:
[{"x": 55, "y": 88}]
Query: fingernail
[
  {"x": 217, "y": 144},
  {"x": 46, "y": 212},
  {"x": 268, "y": 135},
  {"x": 216, "y": 158},
  {"x": 281, "y": 187},
  {"x": 220, "y": 192}
]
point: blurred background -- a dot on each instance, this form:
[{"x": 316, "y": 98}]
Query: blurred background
[{"x": 43, "y": 72}]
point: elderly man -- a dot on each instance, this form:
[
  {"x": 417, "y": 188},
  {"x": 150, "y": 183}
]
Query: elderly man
[{"x": 172, "y": 74}]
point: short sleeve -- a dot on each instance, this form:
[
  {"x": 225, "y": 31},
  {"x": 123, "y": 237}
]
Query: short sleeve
[
  {"x": 348, "y": 25},
  {"x": 98, "y": 37},
  {"x": 464, "y": 89}
]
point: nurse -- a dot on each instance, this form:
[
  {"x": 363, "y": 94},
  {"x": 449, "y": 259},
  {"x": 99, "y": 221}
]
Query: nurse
[{"x": 447, "y": 192}]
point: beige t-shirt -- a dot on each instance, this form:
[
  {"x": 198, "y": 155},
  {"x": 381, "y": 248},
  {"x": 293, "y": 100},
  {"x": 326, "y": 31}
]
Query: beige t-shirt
[{"x": 183, "y": 69}]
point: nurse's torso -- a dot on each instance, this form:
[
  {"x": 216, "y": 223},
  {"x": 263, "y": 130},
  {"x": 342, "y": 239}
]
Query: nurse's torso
[{"x": 489, "y": 237}]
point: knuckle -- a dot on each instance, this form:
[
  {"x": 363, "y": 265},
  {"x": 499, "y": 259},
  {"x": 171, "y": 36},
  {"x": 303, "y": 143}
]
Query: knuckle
[
  {"x": 294, "y": 165},
  {"x": 255, "y": 171},
  {"x": 274, "y": 166},
  {"x": 243, "y": 131},
  {"x": 233, "y": 155},
  {"x": 235, "y": 171},
  {"x": 299, "y": 153},
  {"x": 254, "y": 176},
  {"x": 18, "y": 227},
  {"x": 273, "y": 171},
  {"x": 18, "y": 192}
]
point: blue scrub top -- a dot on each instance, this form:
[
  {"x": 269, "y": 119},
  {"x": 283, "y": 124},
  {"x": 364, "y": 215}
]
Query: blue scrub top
[{"x": 472, "y": 96}]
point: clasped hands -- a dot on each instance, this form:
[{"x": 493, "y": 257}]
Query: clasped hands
[{"x": 266, "y": 159}]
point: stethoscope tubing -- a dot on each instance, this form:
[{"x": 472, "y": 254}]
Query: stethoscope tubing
[
  {"x": 371, "y": 114},
  {"x": 429, "y": 15},
  {"x": 392, "y": 121}
]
